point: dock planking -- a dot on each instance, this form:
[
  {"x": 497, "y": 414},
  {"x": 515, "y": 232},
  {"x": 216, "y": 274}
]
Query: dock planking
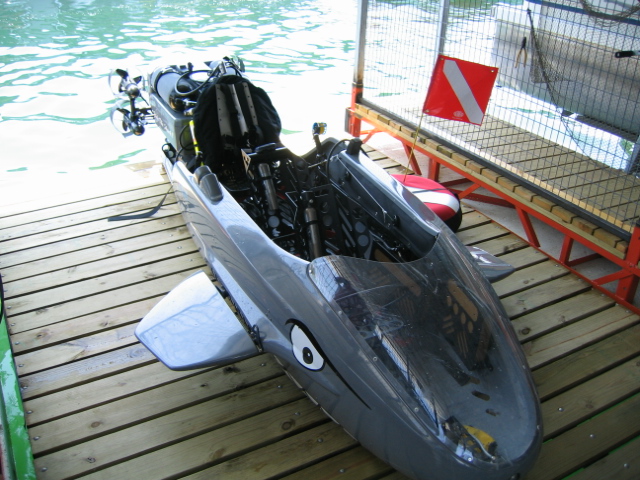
[
  {"x": 526, "y": 170},
  {"x": 99, "y": 405}
]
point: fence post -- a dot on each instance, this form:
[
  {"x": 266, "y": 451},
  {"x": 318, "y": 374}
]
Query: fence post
[
  {"x": 627, "y": 286},
  {"x": 358, "y": 74}
]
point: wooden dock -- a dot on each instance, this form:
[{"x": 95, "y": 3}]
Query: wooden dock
[
  {"x": 528, "y": 169},
  {"x": 571, "y": 179},
  {"x": 98, "y": 404},
  {"x": 540, "y": 180},
  {"x": 605, "y": 192}
]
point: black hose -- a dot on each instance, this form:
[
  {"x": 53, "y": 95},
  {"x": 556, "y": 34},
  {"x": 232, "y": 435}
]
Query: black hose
[{"x": 186, "y": 75}]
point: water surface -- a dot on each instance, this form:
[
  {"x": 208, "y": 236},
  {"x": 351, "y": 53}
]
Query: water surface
[{"x": 55, "y": 57}]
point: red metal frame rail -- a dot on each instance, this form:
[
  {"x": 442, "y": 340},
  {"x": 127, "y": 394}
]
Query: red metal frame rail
[{"x": 624, "y": 255}]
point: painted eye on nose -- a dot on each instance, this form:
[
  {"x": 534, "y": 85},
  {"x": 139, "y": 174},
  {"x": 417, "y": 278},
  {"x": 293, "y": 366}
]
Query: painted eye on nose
[{"x": 304, "y": 350}]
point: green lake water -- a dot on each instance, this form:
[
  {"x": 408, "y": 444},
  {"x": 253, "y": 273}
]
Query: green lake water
[{"x": 56, "y": 55}]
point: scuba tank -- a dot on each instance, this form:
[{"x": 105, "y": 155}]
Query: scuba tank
[
  {"x": 175, "y": 91},
  {"x": 180, "y": 86}
]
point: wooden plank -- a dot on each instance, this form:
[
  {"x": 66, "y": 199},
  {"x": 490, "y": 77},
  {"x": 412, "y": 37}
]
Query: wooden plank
[
  {"x": 92, "y": 286},
  {"x": 491, "y": 175},
  {"x": 543, "y": 295},
  {"x": 66, "y": 221},
  {"x": 540, "y": 163},
  {"x": 446, "y": 155},
  {"x": 71, "y": 259},
  {"x": 79, "y": 230},
  {"x": 49, "y": 214},
  {"x": 527, "y": 278},
  {"x": 388, "y": 163},
  {"x": 502, "y": 245},
  {"x": 99, "y": 302},
  {"x": 46, "y": 315},
  {"x": 558, "y": 173},
  {"x": 261, "y": 371},
  {"x": 99, "y": 243},
  {"x": 482, "y": 234},
  {"x": 76, "y": 328},
  {"x": 73, "y": 350},
  {"x": 83, "y": 371},
  {"x": 224, "y": 441},
  {"x": 525, "y": 150},
  {"x": 472, "y": 220},
  {"x": 354, "y": 464},
  {"x": 518, "y": 160},
  {"x": 611, "y": 184},
  {"x": 558, "y": 315},
  {"x": 476, "y": 136},
  {"x": 587, "y": 362},
  {"x": 611, "y": 177},
  {"x": 607, "y": 198},
  {"x": 81, "y": 272},
  {"x": 375, "y": 155},
  {"x": 627, "y": 211},
  {"x": 397, "y": 170},
  {"x": 545, "y": 149},
  {"x": 96, "y": 396},
  {"x": 577, "y": 335},
  {"x": 578, "y": 404},
  {"x": 395, "y": 476},
  {"x": 489, "y": 122},
  {"x": 82, "y": 397},
  {"x": 489, "y": 127},
  {"x": 17, "y": 204},
  {"x": 621, "y": 464},
  {"x": 588, "y": 442},
  {"x": 504, "y": 155},
  {"x": 524, "y": 257},
  {"x": 558, "y": 188},
  {"x": 96, "y": 303},
  {"x": 509, "y": 137},
  {"x": 292, "y": 453},
  {"x": 466, "y": 208}
]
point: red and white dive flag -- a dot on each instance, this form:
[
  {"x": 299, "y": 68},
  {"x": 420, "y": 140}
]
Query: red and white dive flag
[{"x": 459, "y": 90}]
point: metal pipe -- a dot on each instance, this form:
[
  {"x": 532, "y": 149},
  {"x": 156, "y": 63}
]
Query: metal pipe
[
  {"x": 361, "y": 37},
  {"x": 353, "y": 124},
  {"x": 443, "y": 23}
]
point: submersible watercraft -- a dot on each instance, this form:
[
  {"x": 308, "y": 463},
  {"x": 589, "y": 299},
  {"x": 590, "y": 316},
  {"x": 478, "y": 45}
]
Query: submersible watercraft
[{"x": 366, "y": 298}]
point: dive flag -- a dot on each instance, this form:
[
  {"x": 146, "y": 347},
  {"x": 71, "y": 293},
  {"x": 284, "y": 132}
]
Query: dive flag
[{"x": 459, "y": 90}]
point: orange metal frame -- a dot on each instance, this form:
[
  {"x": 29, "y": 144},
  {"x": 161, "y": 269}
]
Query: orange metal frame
[{"x": 627, "y": 277}]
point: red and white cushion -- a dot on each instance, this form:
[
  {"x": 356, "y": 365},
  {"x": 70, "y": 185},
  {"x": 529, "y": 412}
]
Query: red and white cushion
[{"x": 438, "y": 198}]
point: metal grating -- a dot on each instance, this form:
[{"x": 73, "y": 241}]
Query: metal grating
[{"x": 565, "y": 112}]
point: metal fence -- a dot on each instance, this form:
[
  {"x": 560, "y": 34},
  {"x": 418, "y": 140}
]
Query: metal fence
[{"x": 566, "y": 100}]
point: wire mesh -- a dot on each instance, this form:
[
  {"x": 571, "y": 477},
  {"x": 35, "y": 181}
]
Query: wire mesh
[{"x": 565, "y": 111}]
